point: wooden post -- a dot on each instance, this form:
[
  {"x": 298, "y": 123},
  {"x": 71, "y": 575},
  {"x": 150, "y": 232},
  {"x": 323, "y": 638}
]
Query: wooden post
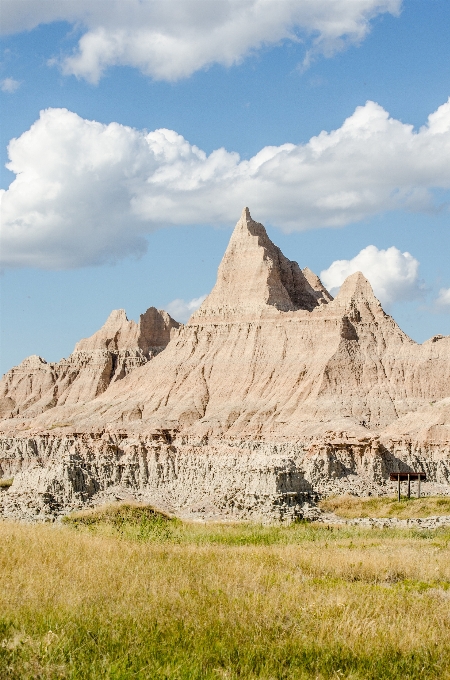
[
  {"x": 409, "y": 485},
  {"x": 398, "y": 486},
  {"x": 418, "y": 488}
]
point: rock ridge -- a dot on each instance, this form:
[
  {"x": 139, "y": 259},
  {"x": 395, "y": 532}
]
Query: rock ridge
[
  {"x": 115, "y": 350},
  {"x": 255, "y": 278},
  {"x": 272, "y": 395}
]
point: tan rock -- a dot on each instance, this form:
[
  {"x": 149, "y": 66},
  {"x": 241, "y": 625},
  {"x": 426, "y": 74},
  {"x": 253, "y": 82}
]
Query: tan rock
[
  {"x": 270, "y": 374},
  {"x": 150, "y": 335},
  {"x": 256, "y": 279},
  {"x": 107, "y": 356},
  {"x": 252, "y": 363}
]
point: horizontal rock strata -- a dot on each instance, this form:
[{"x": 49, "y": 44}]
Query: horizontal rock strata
[
  {"x": 271, "y": 395},
  {"x": 109, "y": 355},
  {"x": 227, "y": 480}
]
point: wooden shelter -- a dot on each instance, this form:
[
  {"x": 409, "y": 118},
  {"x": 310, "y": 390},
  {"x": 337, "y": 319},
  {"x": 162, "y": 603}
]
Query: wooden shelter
[{"x": 408, "y": 477}]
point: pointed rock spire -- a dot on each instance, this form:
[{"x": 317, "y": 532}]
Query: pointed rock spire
[
  {"x": 357, "y": 297},
  {"x": 316, "y": 284},
  {"x": 117, "y": 333},
  {"x": 255, "y": 278}
]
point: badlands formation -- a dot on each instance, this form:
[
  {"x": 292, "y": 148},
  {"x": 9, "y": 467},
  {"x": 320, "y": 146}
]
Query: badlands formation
[{"x": 271, "y": 396}]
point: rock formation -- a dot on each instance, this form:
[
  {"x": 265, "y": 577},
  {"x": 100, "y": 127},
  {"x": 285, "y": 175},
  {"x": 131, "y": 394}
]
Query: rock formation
[
  {"x": 272, "y": 394},
  {"x": 106, "y": 357}
]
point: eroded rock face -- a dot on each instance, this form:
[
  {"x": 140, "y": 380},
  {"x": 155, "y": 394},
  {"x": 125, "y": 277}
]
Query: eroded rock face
[
  {"x": 56, "y": 474},
  {"x": 119, "y": 347},
  {"x": 271, "y": 394},
  {"x": 190, "y": 480},
  {"x": 150, "y": 335},
  {"x": 255, "y": 278}
]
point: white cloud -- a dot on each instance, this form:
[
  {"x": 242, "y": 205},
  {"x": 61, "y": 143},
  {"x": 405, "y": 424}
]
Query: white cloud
[
  {"x": 9, "y": 85},
  {"x": 392, "y": 274},
  {"x": 443, "y": 299},
  {"x": 180, "y": 310},
  {"x": 172, "y": 40},
  {"x": 87, "y": 192}
]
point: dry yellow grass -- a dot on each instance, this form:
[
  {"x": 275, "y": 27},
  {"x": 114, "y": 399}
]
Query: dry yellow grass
[
  {"x": 407, "y": 508},
  {"x": 222, "y": 602}
]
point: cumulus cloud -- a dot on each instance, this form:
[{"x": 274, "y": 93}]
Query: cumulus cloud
[
  {"x": 180, "y": 310},
  {"x": 9, "y": 85},
  {"x": 87, "y": 192},
  {"x": 392, "y": 274},
  {"x": 172, "y": 40},
  {"x": 443, "y": 299}
]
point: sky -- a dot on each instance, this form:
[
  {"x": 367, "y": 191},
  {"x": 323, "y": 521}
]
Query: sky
[{"x": 135, "y": 131}]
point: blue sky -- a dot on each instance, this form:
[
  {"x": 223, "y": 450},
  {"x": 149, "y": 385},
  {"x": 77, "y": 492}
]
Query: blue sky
[{"x": 113, "y": 217}]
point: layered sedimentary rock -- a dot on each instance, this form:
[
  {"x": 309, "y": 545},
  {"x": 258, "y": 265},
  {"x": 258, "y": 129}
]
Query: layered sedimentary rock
[
  {"x": 107, "y": 356},
  {"x": 272, "y": 394}
]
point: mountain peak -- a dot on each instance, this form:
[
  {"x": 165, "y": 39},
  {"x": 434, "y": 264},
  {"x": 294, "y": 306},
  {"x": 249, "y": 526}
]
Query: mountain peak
[
  {"x": 117, "y": 316},
  {"x": 118, "y": 333},
  {"x": 356, "y": 286},
  {"x": 356, "y": 296},
  {"x": 255, "y": 278}
]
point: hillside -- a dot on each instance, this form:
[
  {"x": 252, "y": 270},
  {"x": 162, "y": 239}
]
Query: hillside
[{"x": 271, "y": 395}]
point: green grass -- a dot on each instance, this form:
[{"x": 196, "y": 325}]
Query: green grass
[
  {"x": 134, "y": 521},
  {"x": 125, "y": 520},
  {"x": 127, "y": 592},
  {"x": 350, "y": 506}
]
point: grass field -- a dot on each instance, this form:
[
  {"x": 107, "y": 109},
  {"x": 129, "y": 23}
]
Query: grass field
[
  {"x": 126, "y": 593},
  {"x": 407, "y": 508}
]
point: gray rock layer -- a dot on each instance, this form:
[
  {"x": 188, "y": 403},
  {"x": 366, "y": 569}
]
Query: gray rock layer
[{"x": 227, "y": 480}]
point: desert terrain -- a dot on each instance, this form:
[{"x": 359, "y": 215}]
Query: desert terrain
[{"x": 273, "y": 396}]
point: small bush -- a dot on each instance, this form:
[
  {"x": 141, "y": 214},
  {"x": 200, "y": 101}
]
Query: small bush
[
  {"x": 6, "y": 483},
  {"x": 128, "y": 520}
]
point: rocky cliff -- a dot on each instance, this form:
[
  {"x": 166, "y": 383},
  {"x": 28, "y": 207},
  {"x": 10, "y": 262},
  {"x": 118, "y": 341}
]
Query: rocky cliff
[
  {"x": 272, "y": 394},
  {"x": 107, "y": 356}
]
